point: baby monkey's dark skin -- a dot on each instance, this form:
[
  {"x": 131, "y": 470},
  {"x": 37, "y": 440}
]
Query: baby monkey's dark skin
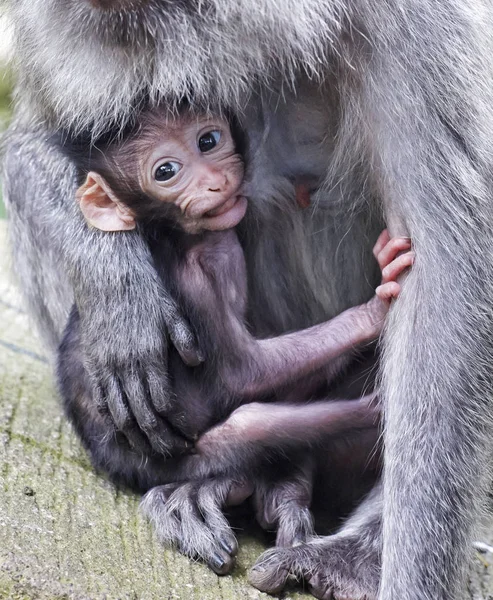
[{"x": 257, "y": 412}]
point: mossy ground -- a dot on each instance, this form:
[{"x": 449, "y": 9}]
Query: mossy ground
[{"x": 5, "y": 90}]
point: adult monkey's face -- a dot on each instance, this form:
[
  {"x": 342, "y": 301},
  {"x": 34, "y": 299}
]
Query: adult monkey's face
[{"x": 86, "y": 63}]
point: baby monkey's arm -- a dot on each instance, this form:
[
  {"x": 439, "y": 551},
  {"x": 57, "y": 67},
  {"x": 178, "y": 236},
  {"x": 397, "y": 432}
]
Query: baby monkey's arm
[
  {"x": 270, "y": 364},
  {"x": 256, "y": 426}
]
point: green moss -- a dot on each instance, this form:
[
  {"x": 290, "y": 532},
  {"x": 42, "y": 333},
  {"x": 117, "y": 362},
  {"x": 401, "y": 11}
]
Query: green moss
[
  {"x": 21, "y": 590},
  {"x": 5, "y": 112},
  {"x": 5, "y": 92}
]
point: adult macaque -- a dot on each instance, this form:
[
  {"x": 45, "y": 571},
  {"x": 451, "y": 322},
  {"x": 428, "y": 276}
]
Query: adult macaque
[
  {"x": 180, "y": 181},
  {"x": 376, "y": 108}
]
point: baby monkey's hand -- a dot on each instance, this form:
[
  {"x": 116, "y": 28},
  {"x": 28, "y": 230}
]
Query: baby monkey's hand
[
  {"x": 394, "y": 257},
  {"x": 393, "y": 260}
]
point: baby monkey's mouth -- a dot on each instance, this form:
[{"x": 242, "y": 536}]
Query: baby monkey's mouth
[
  {"x": 225, "y": 215},
  {"x": 224, "y": 207}
]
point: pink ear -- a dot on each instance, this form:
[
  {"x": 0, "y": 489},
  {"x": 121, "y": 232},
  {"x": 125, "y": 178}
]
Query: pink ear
[{"x": 101, "y": 208}]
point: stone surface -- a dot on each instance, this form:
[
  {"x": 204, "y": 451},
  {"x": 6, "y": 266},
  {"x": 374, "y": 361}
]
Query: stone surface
[{"x": 65, "y": 532}]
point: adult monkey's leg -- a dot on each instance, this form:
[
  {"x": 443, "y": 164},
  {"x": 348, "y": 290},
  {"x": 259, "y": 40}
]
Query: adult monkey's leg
[
  {"x": 426, "y": 97},
  {"x": 434, "y": 155},
  {"x": 60, "y": 261},
  {"x": 343, "y": 566}
]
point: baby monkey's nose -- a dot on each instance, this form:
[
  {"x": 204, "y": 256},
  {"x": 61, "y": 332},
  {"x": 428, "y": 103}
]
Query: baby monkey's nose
[
  {"x": 213, "y": 178},
  {"x": 219, "y": 183}
]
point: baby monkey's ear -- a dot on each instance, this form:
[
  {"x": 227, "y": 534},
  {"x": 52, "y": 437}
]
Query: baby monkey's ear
[{"x": 101, "y": 208}]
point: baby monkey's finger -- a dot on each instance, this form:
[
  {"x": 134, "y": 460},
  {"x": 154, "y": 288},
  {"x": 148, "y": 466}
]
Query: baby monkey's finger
[
  {"x": 390, "y": 251},
  {"x": 383, "y": 240},
  {"x": 395, "y": 268},
  {"x": 388, "y": 291}
]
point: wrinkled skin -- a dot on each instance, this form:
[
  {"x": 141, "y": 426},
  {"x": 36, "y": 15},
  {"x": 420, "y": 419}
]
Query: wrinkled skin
[{"x": 184, "y": 169}]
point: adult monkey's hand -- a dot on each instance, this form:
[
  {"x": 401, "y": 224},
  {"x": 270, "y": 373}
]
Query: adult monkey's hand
[{"x": 126, "y": 316}]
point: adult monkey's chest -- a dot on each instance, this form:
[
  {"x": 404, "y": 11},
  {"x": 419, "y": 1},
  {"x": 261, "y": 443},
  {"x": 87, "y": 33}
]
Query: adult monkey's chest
[{"x": 311, "y": 222}]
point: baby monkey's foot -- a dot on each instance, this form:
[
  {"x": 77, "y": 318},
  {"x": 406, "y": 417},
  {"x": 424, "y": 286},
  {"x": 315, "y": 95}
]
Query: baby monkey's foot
[{"x": 394, "y": 257}]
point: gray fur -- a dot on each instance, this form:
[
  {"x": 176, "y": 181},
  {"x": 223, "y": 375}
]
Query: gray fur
[
  {"x": 407, "y": 90},
  {"x": 164, "y": 49},
  {"x": 190, "y": 516},
  {"x": 336, "y": 567}
]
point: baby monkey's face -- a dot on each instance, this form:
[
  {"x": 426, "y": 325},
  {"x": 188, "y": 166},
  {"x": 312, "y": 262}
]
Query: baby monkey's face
[{"x": 193, "y": 165}]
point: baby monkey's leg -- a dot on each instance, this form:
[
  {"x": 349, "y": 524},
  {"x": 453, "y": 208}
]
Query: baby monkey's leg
[{"x": 253, "y": 428}]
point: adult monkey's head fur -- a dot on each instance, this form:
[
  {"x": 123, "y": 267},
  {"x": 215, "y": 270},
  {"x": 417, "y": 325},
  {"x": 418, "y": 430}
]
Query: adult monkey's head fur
[{"x": 87, "y": 62}]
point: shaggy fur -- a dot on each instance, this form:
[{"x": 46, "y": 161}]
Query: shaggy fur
[{"x": 383, "y": 104}]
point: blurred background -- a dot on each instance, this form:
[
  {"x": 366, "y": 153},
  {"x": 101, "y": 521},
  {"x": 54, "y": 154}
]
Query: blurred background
[{"x": 5, "y": 81}]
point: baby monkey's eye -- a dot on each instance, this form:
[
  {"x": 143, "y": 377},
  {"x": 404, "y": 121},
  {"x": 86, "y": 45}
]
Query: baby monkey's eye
[
  {"x": 209, "y": 140},
  {"x": 166, "y": 171}
]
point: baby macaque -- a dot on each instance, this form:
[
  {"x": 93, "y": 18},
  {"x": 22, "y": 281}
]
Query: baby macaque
[
  {"x": 180, "y": 182},
  {"x": 186, "y": 172}
]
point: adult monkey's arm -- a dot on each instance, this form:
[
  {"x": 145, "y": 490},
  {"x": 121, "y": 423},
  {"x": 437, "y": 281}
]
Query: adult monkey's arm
[{"x": 125, "y": 312}]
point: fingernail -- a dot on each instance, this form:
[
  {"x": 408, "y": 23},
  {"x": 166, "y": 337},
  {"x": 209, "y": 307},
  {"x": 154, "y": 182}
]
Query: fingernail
[
  {"x": 218, "y": 563},
  {"x": 227, "y": 546}
]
